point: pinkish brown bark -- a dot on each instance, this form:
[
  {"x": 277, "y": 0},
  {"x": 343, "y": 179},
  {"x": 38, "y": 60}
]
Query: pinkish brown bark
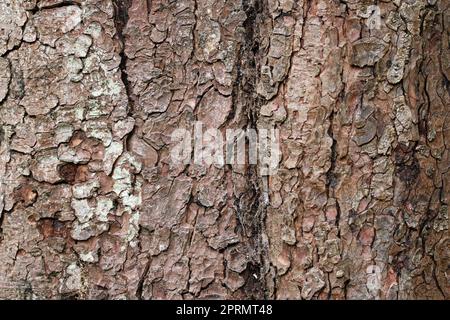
[{"x": 91, "y": 206}]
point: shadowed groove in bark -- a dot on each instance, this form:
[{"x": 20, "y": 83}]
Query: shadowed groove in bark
[
  {"x": 248, "y": 69},
  {"x": 120, "y": 19},
  {"x": 56, "y": 5}
]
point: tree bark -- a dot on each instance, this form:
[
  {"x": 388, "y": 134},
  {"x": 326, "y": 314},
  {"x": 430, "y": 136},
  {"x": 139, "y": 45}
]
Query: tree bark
[{"x": 91, "y": 206}]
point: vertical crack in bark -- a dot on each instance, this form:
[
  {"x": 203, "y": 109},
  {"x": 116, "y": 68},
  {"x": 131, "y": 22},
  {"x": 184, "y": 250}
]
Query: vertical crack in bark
[
  {"x": 2, "y": 219},
  {"x": 331, "y": 175},
  {"x": 120, "y": 19},
  {"x": 142, "y": 278},
  {"x": 255, "y": 284}
]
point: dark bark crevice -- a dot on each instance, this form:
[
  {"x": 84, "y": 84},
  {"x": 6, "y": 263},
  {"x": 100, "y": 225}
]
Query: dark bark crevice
[{"x": 244, "y": 91}]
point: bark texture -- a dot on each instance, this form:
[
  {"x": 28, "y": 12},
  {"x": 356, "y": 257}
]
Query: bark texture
[{"x": 91, "y": 207}]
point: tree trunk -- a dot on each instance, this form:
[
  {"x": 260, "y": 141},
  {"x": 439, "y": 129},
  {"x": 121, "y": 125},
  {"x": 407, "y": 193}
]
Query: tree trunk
[{"x": 92, "y": 207}]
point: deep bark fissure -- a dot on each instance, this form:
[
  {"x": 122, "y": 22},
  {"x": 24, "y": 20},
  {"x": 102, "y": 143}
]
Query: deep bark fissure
[{"x": 247, "y": 70}]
